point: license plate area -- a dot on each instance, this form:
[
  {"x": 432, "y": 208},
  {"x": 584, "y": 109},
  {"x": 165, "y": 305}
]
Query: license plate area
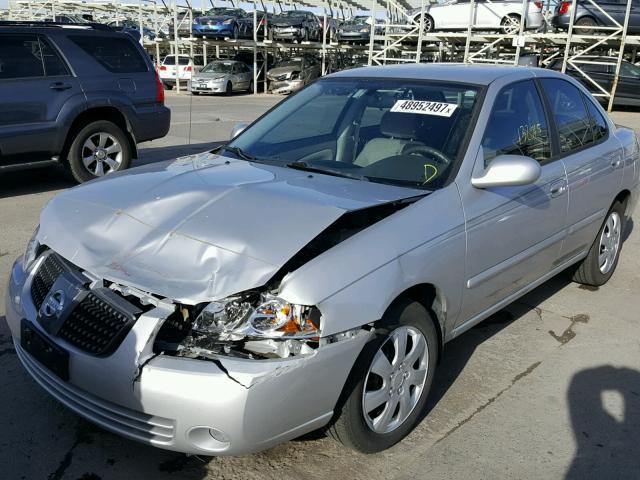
[{"x": 43, "y": 350}]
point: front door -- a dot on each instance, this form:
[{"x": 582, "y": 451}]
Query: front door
[
  {"x": 34, "y": 85},
  {"x": 514, "y": 234}
]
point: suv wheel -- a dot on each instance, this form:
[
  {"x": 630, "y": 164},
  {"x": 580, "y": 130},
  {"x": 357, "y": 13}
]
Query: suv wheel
[
  {"x": 386, "y": 393},
  {"x": 98, "y": 149}
]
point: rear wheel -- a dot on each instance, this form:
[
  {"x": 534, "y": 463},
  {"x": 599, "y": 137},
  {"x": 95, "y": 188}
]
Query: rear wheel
[
  {"x": 386, "y": 393},
  {"x": 98, "y": 149},
  {"x": 511, "y": 24},
  {"x": 601, "y": 261},
  {"x": 585, "y": 26},
  {"x": 428, "y": 23}
]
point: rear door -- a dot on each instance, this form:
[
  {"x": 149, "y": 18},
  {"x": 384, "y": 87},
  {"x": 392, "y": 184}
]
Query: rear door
[
  {"x": 593, "y": 159},
  {"x": 35, "y": 84}
]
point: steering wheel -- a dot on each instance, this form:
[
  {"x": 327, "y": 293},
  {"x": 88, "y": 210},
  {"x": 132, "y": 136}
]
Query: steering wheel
[{"x": 426, "y": 150}]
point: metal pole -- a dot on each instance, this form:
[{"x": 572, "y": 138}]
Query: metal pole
[
  {"x": 175, "y": 43},
  {"x": 523, "y": 17},
  {"x": 569, "y": 36},
  {"x": 420, "y": 32},
  {"x": 467, "y": 47},
  {"x": 140, "y": 22},
  {"x": 255, "y": 48},
  {"x": 372, "y": 32},
  {"x": 623, "y": 40},
  {"x": 324, "y": 44}
]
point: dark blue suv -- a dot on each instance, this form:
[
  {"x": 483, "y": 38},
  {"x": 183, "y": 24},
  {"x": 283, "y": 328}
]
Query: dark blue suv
[{"x": 81, "y": 95}]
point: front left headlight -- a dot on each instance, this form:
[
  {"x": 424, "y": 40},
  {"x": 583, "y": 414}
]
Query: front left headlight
[
  {"x": 240, "y": 317},
  {"x": 31, "y": 252}
]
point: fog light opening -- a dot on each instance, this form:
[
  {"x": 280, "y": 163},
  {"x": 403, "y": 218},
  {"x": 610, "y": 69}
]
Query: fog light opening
[{"x": 209, "y": 439}]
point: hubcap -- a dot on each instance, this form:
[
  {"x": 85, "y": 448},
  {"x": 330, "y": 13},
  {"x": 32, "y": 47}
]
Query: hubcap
[
  {"x": 609, "y": 243},
  {"x": 101, "y": 154},
  {"x": 395, "y": 380},
  {"x": 511, "y": 26}
]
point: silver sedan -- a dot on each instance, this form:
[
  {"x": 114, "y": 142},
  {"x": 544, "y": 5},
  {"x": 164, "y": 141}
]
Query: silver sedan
[
  {"x": 222, "y": 76},
  {"x": 310, "y": 272}
]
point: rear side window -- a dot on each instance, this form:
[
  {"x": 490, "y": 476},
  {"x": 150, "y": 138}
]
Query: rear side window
[
  {"x": 517, "y": 125},
  {"x": 570, "y": 114},
  {"x": 20, "y": 57},
  {"x": 598, "y": 123},
  {"x": 116, "y": 54},
  {"x": 53, "y": 64}
]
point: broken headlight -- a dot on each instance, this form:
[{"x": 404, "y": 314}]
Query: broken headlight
[{"x": 238, "y": 318}]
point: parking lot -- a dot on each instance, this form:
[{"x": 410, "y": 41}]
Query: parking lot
[{"x": 548, "y": 388}]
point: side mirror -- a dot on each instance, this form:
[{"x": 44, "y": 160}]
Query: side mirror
[
  {"x": 237, "y": 129},
  {"x": 509, "y": 171}
]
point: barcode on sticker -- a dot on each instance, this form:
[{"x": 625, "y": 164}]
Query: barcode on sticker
[{"x": 426, "y": 108}]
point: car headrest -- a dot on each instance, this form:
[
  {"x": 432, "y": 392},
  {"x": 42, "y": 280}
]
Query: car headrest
[{"x": 400, "y": 124}]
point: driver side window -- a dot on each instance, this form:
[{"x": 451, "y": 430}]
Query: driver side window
[{"x": 517, "y": 125}]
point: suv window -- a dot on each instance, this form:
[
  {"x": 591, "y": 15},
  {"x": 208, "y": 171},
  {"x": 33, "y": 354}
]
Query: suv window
[
  {"x": 115, "y": 53},
  {"x": 53, "y": 65},
  {"x": 20, "y": 57},
  {"x": 570, "y": 114},
  {"x": 517, "y": 125},
  {"x": 597, "y": 121}
]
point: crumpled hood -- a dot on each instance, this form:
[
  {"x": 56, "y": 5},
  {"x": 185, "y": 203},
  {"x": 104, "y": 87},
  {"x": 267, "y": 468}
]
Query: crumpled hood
[
  {"x": 201, "y": 227},
  {"x": 277, "y": 71}
]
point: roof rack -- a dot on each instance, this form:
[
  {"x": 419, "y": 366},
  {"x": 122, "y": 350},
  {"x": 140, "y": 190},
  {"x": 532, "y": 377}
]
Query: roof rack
[{"x": 88, "y": 25}]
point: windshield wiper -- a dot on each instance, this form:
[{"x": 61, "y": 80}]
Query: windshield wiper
[
  {"x": 328, "y": 171},
  {"x": 239, "y": 152}
]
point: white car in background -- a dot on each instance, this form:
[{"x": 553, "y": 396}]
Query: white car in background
[
  {"x": 504, "y": 15},
  {"x": 186, "y": 66}
]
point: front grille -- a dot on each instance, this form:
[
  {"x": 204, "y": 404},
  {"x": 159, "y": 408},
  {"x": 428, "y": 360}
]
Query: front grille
[
  {"x": 96, "y": 326},
  {"x": 98, "y": 323},
  {"x": 45, "y": 277}
]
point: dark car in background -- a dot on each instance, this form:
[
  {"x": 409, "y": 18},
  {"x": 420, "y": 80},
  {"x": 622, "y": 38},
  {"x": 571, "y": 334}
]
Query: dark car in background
[
  {"x": 133, "y": 28},
  {"x": 356, "y": 29},
  {"x": 83, "y": 97},
  {"x": 602, "y": 70},
  {"x": 222, "y": 22},
  {"x": 296, "y": 25},
  {"x": 589, "y": 17}
]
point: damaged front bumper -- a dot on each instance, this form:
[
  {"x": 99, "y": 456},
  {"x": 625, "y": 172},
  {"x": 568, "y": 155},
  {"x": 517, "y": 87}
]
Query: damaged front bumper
[
  {"x": 285, "y": 86},
  {"x": 221, "y": 406}
]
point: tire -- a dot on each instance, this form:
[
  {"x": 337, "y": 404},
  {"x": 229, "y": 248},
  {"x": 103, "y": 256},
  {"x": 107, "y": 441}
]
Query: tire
[
  {"x": 195, "y": 93},
  {"x": 236, "y": 32},
  {"x": 592, "y": 271},
  {"x": 585, "y": 26},
  {"x": 351, "y": 425},
  {"x": 250, "y": 89},
  {"x": 228, "y": 89},
  {"x": 428, "y": 26},
  {"x": 305, "y": 35},
  {"x": 510, "y": 24},
  {"x": 104, "y": 135}
]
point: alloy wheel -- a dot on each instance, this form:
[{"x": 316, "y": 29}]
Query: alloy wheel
[
  {"x": 395, "y": 380},
  {"x": 609, "y": 243},
  {"x": 101, "y": 154},
  {"x": 511, "y": 25}
]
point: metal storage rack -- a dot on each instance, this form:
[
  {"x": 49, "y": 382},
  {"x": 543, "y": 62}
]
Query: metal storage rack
[{"x": 398, "y": 33}]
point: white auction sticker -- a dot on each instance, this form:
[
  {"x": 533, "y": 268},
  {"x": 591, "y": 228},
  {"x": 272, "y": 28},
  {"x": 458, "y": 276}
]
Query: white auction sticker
[{"x": 424, "y": 107}]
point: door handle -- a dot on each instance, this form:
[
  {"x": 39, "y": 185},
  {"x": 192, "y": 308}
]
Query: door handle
[
  {"x": 616, "y": 163},
  {"x": 558, "y": 188},
  {"x": 60, "y": 86}
]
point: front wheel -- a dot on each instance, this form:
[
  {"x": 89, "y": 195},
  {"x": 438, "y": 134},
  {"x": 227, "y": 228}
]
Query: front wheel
[
  {"x": 386, "y": 393},
  {"x": 601, "y": 261},
  {"x": 229, "y": 89},
  {"x": 98, "y": 149},
  {"x": 250, "y": 89}
]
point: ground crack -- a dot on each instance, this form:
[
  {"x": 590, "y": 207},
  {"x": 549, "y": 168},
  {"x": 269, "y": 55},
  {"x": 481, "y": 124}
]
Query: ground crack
[
  {"x": 569, "y": 333},
  {"x": 515, "y": 379}
]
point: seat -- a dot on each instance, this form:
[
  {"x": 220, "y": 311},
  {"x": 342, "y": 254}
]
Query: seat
[{"x": 400, "y": 129}]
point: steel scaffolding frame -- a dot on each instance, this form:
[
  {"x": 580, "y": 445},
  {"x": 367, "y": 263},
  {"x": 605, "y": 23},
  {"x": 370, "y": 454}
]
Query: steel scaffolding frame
[{"x": 397, "y": 36}]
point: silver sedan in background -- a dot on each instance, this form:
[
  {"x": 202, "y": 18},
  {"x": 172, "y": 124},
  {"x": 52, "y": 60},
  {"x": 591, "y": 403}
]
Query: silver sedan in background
[
  {"x": 222, "y": 76},
  {"x": 309, "y": 273}
]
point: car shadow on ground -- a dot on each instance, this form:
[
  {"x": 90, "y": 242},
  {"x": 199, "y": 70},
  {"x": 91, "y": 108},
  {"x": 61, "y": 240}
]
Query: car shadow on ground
[{"x": 47, "y": 179}]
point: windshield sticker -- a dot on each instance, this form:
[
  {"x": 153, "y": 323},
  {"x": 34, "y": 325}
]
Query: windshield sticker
[
  {"x": 424, "y": 107},
  {"x": 430, "y": 171}
]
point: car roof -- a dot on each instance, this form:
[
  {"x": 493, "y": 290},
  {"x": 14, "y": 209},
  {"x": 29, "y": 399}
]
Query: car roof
[{"x": 447, "y": 72}]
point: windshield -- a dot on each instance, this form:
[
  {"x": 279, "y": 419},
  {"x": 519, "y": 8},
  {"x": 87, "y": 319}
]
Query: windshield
[
  {"x": 219, "y": 11},
  {"x": 218, "y": 67},
  {"x": 401, "y": 132},
  {"x": 358, "y": 21},
  {"x": 293, "y": 13}
]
